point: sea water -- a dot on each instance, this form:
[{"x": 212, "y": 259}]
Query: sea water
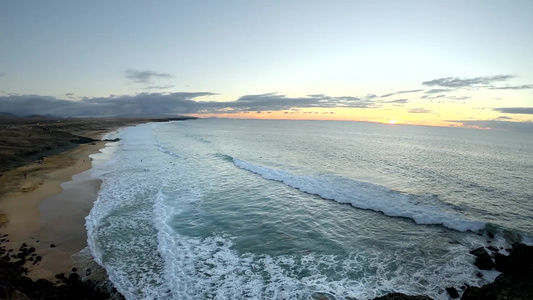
[{"x": 263, "y": 209}]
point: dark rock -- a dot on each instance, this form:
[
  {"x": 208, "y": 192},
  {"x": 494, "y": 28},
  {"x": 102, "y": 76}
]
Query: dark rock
[
  {"x": 452, "y": 292},
  {"x": 52, "y": 245},
  {"x": 14, "y": 283},
  {"x": 74, "y": 277},
  {"x": 491, "y": 235},
  {"x": 478, "y": 251},
  {"x": 113, "y": 140},
  {"x": 504, "y": 287},
  {"x": 484, "y": 262},
  {"x": 516, "y": 281},
  {"x": 501, "y": 262},
  {"x": 492, "y": 248},
  {"x": 400, "y": 296},
  {"x": 74, "y": 269},
  {"x": 82, "y": 140},
  {"x": 520, "y": 259}
]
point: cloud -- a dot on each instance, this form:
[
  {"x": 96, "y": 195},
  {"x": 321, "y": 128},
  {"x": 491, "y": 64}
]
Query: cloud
[
  {"x": 70, "y": 95},
  {"x": 459, "y": 97},
  {"x": 503, "y": 118},
  {"x": 432, "y": 97},
  {"x": 400, "y": 92},
  {"x": 455, "y": 98},
  {"x": 419, "y": 111},
  {"x": 496, "y": 124},
  {"x": 158, "y": 87},
  {"x": 436, "y": 91},
  {"x": 513, "y": 87},
  {"x": 172, "y": 104},
  {"x": 274, "y": 101},
  {"x": 515, "y": 110},
  {"x": 141, "y": 104},
  {"x": 457, "y": 82},
  {"x": 402, "y": 101},
  {"x": 2, "y": 74},
  {"x": 144, "y": 76}
]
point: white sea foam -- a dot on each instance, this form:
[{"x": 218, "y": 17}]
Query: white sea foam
[
  {"x": 366, "y": 196},
  {"x": 120, "y": 230},
  {"x": 208, "y": 268}
]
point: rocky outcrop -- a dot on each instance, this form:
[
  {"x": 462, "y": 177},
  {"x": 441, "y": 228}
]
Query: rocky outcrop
[
  {"x": 14, "y": 284},
  {"x": 483, "y": 259},
  {"x": 400, "y": 296},
  {"x": 516, "y": 280}
]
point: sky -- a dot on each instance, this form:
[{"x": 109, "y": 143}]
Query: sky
[{"x": 443, "y": 63}]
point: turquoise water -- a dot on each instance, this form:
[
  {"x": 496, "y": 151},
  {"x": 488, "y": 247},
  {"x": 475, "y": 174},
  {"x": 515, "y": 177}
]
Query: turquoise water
[{"x": 253, "y": 209}]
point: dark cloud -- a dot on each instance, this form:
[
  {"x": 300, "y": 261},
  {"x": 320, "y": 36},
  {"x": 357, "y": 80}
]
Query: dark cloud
[
  {"x": 141, "y": 104},
  {"x": 144, "y": 76},
  {"x": 503, "y": 118},
  {"x": 274, "y": 101},
  {"x": 171, "y": 103},
  {"x": 515, "y": 110},
  {"x": 400, "y": 92},
  {"x": 432, "y": 97},
  {"x": 514, "y": 87},
  {"x": 70, "y": 95},
  {"x": 436, "y": 91},
  {"x": 457, "y": 82},
  {"x": 419, "y": 111}
]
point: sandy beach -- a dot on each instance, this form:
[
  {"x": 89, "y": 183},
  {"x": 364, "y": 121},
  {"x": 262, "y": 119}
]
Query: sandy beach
[{"x": 46, "y": 210}]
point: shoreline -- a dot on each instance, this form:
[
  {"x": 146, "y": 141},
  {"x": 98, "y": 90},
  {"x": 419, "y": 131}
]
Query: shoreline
[
  {"x": 46, "y": 191},
  {"x": 48, "y": 212}
]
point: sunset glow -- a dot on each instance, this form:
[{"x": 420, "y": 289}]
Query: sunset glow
[{"x": 371, "y": 61}]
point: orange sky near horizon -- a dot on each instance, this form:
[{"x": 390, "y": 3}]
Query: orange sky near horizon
[{"x": 387, "y": 115}]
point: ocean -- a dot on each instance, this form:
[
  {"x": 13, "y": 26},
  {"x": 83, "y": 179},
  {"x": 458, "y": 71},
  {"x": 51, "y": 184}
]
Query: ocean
[{"x": 270, "y": 209}]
